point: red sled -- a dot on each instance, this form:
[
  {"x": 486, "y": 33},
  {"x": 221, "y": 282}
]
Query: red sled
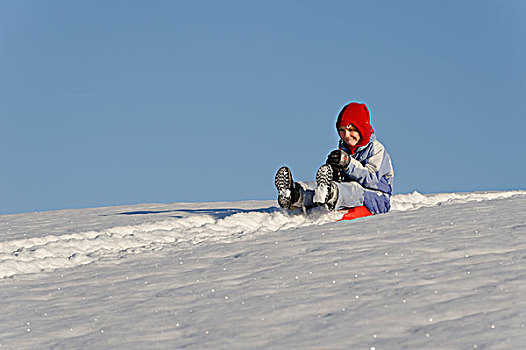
[{"x": 355, "y": 213}]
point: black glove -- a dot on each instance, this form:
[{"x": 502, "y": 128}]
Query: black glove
[{"x": 338, "y": 159}]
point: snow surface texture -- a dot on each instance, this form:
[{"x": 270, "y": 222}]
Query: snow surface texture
[{"x": 442, "y": 271}]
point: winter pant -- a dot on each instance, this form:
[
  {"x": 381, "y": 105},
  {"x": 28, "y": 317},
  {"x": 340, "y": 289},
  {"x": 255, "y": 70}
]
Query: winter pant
[{"x": 350, "y": 194}]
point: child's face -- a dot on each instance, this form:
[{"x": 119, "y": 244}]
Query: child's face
[{"x": 349, "y": 134}]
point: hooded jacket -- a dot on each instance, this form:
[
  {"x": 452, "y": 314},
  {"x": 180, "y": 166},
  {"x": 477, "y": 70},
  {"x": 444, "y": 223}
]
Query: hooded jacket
[
  {"x": 371, "y": 167},
  {"x": 370, "y": 164}
]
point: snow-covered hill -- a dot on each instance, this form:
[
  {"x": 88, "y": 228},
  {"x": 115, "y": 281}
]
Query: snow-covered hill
[{"x": 443, "y": 271}]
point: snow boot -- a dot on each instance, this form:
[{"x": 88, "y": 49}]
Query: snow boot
[
  {"x": 288, "y": 191},
  {"x": 326, "y": 192}
]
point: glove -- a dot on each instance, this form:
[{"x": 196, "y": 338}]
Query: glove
[{"x": 338, "y": 159}]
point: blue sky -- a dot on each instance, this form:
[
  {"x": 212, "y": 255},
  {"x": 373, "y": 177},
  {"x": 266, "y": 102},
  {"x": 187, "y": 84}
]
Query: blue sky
[{"x": 124, "y": 102}]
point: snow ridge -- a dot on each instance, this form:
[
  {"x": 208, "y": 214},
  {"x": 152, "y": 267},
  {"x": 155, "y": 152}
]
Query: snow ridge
[
  {"x": 50, "y": 252},
  {"x": 415, "y": 200},
  {"x": 65, "y": 251}
]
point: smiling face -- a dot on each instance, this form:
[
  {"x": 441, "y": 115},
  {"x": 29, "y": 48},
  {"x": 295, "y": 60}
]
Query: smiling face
[{"x": 349, "y": 134}]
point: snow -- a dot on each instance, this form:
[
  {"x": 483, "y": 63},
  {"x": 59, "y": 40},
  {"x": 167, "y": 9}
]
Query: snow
[
  {"x": 440, "y": 271},
  {"x": 320, "y": 195}
]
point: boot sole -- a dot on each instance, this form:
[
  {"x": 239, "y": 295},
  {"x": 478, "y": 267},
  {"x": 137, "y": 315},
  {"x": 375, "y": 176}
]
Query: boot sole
[
  {"x": 283, "y": 182},
  {"x": 323, "y": 184}
]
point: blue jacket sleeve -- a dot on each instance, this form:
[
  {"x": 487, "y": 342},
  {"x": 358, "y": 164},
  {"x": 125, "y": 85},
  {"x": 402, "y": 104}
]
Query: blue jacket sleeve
[{"x": 371, "y": 168}]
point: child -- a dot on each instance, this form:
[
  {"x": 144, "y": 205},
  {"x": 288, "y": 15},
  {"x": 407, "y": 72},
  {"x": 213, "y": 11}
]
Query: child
[{"x": 358, "y": 173}]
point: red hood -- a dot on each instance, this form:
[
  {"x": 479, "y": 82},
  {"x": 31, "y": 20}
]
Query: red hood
[{"x": 356, "y": 114}]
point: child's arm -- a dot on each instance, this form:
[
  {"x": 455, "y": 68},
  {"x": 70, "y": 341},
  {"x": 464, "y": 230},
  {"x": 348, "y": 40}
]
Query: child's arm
[{"x": 374, "y": 170}]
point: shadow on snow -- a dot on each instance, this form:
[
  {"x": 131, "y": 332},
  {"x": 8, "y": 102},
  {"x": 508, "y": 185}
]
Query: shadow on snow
[{"x": 216, "y": 213}]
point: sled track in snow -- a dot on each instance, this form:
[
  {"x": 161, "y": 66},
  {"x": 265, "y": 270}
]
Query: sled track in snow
[
  {"x": 69, "y": 250},
  {"x": 32, "y": 255}
]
